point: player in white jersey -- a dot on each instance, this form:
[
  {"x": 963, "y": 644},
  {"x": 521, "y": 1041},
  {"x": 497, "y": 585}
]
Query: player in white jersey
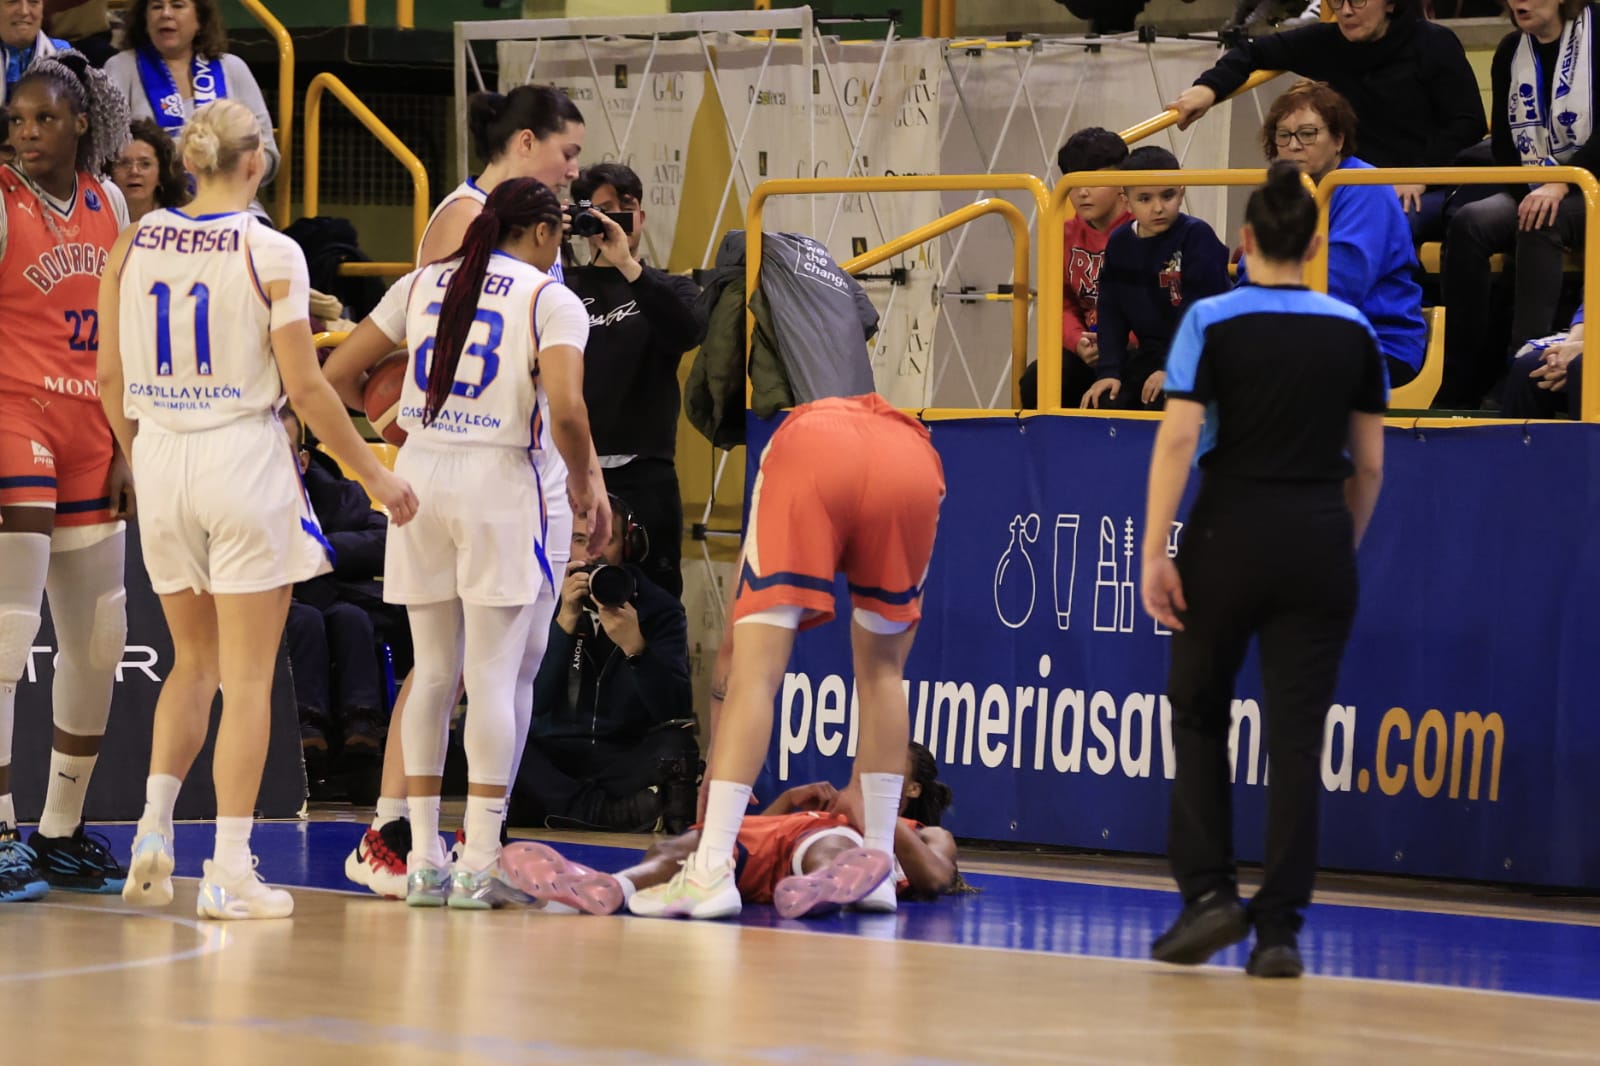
[
  {"x": 497, "y": 356},
  {"x": 203, "y": 327},
  {"x": 534, "y": 131}
]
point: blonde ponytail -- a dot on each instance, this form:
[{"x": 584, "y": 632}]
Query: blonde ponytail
[{"x": 218, "y": 136}]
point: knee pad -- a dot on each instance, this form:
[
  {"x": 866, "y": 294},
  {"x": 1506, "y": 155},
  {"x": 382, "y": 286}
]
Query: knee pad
[
  {"x": 109, "y": 635},
  {"x": 17, "y": 630}
]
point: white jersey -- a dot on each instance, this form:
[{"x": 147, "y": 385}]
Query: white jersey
[
  {"x": 195, "y": 319},
  {"x": 469, "y": 190},
  {"x": 497, "y": 399}
]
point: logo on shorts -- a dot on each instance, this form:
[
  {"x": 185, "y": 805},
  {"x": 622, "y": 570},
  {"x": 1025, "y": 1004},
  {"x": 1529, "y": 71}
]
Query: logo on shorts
[
  {"x": 42, "y": 456},
  {"x": 91, "y": 200}
]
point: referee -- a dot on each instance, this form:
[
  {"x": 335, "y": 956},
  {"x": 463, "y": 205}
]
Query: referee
[{"x": 1282, "y": 392}]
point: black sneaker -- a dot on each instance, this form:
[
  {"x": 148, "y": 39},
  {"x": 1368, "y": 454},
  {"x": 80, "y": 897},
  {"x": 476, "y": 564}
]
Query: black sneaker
[
  {"x": 20, "y": 879},
  {"x": 1275, "y": 960},
  {"x": 1205, "y": 927},
  {"x": 81, "y": 862}
]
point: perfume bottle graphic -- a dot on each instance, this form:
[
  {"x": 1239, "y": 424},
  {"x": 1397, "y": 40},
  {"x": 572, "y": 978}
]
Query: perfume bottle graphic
[
  {"x": 1015, "y": 584},
  {"x": 1066, "y": 565},
  {"x": 1105, "y": 579}
]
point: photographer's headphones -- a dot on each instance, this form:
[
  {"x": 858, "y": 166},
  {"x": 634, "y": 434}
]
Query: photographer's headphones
[{"x": 635, "y": 539}]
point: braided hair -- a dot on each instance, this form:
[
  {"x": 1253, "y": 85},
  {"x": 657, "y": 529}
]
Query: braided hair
[
  {"x": 518, "y": 204},
  {"x": 88, "y": 91},
  {"x": 929, "y": 806}
]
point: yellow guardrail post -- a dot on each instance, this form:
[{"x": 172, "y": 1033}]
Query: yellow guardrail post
[
  {"x": 947, "y": 18},
  {"x": 1156, "y": 123},
  {"x": 358, "y": 12},
  {"x": 283, "y": 188},
  {"x": 1317, "y": 271},
  {"x": 1049, "y": 272},
  {"x": 326, "y": 82},
  {"x": 405, "y": 14}
]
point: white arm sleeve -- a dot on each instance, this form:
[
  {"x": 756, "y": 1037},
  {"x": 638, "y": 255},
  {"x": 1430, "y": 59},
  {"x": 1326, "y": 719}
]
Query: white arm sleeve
[
  {"x": 277, "y": 258},
  {"x": 390, "y": 314},
  {"x": 559, "y": 317}
]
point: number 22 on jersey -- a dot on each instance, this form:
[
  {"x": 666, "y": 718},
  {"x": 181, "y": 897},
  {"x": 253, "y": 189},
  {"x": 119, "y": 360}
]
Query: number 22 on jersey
[
  {"x": 488, "y": 351},
  {"x": 200, "y": 300}
]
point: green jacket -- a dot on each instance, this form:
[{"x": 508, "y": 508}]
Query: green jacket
[{"x": 714, "y": 398}]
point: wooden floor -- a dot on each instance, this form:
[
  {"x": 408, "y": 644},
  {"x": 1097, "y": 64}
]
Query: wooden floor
[{"x": 351, "y": 979}]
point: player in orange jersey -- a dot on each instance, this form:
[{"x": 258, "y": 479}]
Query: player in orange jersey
[
  {"x": 799, "y": 854},
  {"x": 64, "y": 489},
  {"x": 847, "y": 484}
]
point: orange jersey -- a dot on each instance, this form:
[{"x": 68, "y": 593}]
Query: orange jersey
[
  {"x": 50, "y": 288},
  {"x": 764, "y": 854}
]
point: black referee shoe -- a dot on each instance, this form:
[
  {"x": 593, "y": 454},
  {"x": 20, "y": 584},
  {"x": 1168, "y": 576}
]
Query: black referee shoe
[
  {"x": 81, "y": 862},
  {"x": 1275, "y": 960},
  {"x": 1205, "y": 927}
]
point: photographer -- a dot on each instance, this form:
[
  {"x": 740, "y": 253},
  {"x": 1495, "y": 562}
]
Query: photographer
[
  {"x": 612, "y": 744},
  {"x": 641, "y": 322}
]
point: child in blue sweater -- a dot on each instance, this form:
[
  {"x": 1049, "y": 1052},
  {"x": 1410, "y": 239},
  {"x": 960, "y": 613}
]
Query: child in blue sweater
[{"x": 1154, "y": 269}]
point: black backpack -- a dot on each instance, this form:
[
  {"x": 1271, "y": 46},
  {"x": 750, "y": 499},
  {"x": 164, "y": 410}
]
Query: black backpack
[{"x": 328, "y": 243}]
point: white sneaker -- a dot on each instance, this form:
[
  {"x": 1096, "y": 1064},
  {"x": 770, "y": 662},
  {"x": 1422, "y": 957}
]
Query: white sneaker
[
  {"x": 149, "y": 882},
  {"x": 235, "y": 898},
  {"x": 695, "y": 891}
]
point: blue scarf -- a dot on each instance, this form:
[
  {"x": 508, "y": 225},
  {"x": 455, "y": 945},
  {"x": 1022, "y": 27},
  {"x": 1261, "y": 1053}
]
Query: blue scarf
[{"x": 166, "y": 102}]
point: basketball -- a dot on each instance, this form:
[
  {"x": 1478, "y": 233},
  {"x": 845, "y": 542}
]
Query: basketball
[{"x": 381, "y": 396}]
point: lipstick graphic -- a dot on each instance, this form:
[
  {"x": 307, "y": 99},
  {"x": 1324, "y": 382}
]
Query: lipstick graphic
[{"x": 1105, "y": 581}]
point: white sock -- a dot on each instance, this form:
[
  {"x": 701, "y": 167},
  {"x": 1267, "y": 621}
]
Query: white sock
[
  {"x": 880, "y": 806},
  {"x": 8, "y": 811},
  {"x": 627, "y": 887},
  {"x": 485, "y": 816},
  {"x": 727, "y": 802},
  {"x": 232, "y": 852},
  {"x": 160, "y": 797},
  {"x": 63, "y": 797},
  {"x": 426, "y": 847},
  {"x": 390, "y": 809}
]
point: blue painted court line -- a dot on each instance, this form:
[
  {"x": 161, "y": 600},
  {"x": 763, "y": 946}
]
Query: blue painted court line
[{"x": 1068, "y": 918}]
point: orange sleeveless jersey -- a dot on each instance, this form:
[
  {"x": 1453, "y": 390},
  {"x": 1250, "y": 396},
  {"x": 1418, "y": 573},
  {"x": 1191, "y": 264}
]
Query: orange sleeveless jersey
[{"x": 50, "y": 289}]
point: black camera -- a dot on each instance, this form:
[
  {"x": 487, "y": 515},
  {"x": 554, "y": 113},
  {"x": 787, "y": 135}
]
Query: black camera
[
  {"x": 609, "y": 586},
  {"x": 586, "y": 225}
]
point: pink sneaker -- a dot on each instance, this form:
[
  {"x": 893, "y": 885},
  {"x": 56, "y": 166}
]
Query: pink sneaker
[
  {"x": 847, "y": 879},
  {"x": 542, "y": 872}
]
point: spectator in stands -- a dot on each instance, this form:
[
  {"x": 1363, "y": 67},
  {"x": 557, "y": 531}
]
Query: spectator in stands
[
  {"x": 1542, "y": 113},
  {"x": 1155, "y": 267},
  {"x": 84, "y": 24},
  {"x": 1096, "y": 211},
  {"x": 641, "y": 322},
  {"x": 332, "y": 631},
  {"x": 1406, "y": 79},
  {"x": 1546, "y": 377},
  {"x": 23, "y": 40},
  {"x": 1371, "y": 262},
  {"x": 175, "y": 59},
  {"x": 148, "y": 171},
  {"x": 612, "y": 743}
]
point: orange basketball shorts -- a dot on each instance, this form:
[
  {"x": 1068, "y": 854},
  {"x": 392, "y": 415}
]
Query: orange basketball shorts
[{"x": 56, "y": 452}]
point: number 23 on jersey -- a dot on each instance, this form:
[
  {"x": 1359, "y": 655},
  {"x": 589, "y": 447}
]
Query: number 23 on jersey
[{"x": 488, "y": 351}]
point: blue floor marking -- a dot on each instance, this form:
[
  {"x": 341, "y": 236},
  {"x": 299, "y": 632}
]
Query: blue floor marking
[{"x": 1062, "y": 917}]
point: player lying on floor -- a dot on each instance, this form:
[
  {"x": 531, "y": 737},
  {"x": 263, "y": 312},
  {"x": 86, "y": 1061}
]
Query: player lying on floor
[{"x": 800, "y": 854}]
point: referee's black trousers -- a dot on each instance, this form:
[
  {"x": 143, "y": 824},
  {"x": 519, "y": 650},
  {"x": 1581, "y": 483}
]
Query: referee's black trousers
[{"x": 1276, "y": 561}]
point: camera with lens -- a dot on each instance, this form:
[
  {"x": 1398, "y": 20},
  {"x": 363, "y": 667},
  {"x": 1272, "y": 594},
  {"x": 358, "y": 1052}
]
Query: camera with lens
[
  {"x": 609, "y": 586},
  {"x": 586, "y": 225}
]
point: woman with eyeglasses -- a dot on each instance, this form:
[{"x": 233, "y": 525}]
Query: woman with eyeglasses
[
  {"x": 1406, "y": 79},
  {"x": 1371, "y": 264},
  {"x": 148, "y": 171},
  {"x": 1542, "y": 110}
]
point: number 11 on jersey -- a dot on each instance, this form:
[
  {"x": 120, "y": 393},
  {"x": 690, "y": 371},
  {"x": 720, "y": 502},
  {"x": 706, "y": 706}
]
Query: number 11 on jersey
[{"x": 201, "y": 295}]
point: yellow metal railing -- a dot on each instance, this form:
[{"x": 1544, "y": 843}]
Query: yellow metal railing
[
  {"x": 405, "y": 13},
  {"x": 1050, "y": 271},
  {"x": 1155, "y": 124},
  {"x": 1317, "y": 272},
  {"x": 284, "y": 183},
  {"x": 419, "y": 175}
]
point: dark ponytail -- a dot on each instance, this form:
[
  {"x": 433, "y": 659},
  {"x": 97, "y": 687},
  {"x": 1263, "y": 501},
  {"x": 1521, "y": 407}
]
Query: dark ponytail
[
  {"x": 1282, "y": 214},
  {"x": 493, "y": 119},
  {"x": 518, "y": 204},
  {"x": 928, "y": 807}
]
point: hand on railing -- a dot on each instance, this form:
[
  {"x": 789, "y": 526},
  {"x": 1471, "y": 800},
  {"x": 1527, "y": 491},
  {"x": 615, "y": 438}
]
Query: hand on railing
[{"x": 1192, "y": 104}]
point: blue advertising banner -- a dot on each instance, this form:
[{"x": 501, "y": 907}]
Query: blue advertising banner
[{"x": 1465, "y": 729}]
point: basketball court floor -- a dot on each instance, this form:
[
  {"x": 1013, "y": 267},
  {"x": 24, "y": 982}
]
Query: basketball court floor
[{"x": 1046, "y": 964}]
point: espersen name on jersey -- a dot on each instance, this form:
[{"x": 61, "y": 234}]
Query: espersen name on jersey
[{"x": 188, "y": 241}]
